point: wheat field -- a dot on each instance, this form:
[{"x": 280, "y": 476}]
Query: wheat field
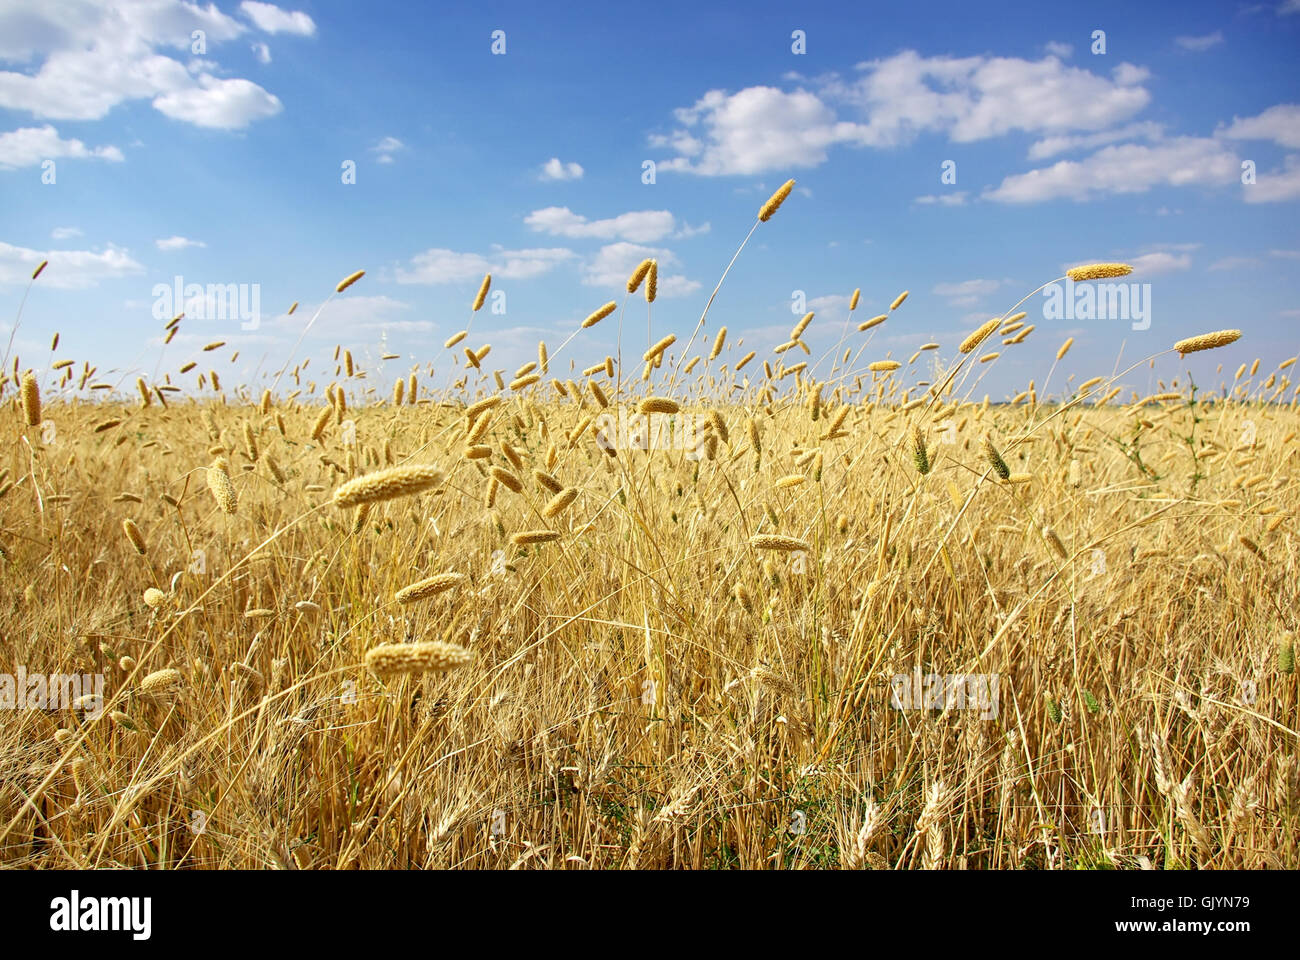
[{"x": 671, "y": 609}]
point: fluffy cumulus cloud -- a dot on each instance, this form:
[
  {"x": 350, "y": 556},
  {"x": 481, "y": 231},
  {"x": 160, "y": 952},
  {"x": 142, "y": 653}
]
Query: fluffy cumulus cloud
[
  {"x": 1126, "y": 168},
  {"x": 438, "y": 266},
  {"x": 81, "y": 67},
  {"x": 1280, "y": 123},
  {"x": 68, "y": 269},
  {"x": 1276, "y": 186},
  {"x": 223, "y": 104},
  {"x": 976, "y": 98},
  {"x": 752, "y": 131},
  {"x": 29, "y": 146},
  {"x": 638, "y": 226},
  {"x": 889, "y": 103},
  {"x": 614, "y": 262},
  {"x": 271, "y": 19},
  {"x": 556, "y": 169}
]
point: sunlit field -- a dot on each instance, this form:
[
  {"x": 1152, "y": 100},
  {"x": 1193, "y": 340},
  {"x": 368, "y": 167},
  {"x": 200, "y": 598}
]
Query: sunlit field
[{"x": 681, "y": 607}]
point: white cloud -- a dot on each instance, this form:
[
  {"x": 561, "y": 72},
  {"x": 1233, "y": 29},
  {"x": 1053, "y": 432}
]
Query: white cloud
[
  {"x": 262, "y": 52},
  {"x": 109, "y": 53},
  {"x": 967, "y": 292},
  {"x": 955, "y": 199},
  {"x": 1200, "y": 44},
  {"x": 554, "y": 169},
  {"x": 348, "y": 316},
  {"x": 222, "y": 104},
  {"x": 1276, "y": 185},
  {"x": 1059, "y": 49},
  {"x": 385, "y": 149},
  {"x": 68, "y": 269},
  {"x": 271, "y": 19},
  {"x": 1128, "y": 168},
  {"x": 639, "y": 226},
  {"x": 1144, "y": 265},
  {"x": 178, "y": 243},
  {"x": 833, "y": 303},
  {"x": 1285, "y": 254},
  {"x": 29, "y": 146},
  {"x": 525, "y": 264},
  {"x": 975, "y": 98},
  {"x": 437, "y": 265},
  {"x": 614, "y": 262},
  {"x": 1280, "y": 123},
  {"x": 1288, "y": 6},
  {"x": 65, "y": 233},
  {"x": 756, "y": 129},
  {"x": 1176, "y": 247},
  {"x": 1149, "y": 264},
  {"x": 1233, "y": 263},
  {"x": 1064, "y": 143}
]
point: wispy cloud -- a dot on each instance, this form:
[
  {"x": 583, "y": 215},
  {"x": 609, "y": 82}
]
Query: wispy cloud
[
  {"x": 1066, "y": 143},
  {"x": 1233, "y": 263},
  {"x": 439, "y": 266},
  {"x": 385, "y": 149},
  {"x": 639, "y": 226},
  {"x": 1151, "y": 264},
  {"x": 955, "y": 199},
  {"x": 966, "y": 293},
  {"x": 178, "y": 243},
  {"x": 68, "y": 269},
  {"x": 1127, "y": 168},
  {"x": 1202, "y": 43}
]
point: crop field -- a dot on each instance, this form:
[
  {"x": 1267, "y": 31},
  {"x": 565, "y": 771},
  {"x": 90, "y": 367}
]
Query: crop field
[{"x": 682, "y": 607}]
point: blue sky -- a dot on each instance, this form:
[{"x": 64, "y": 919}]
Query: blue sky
[{"x": 225, "y": 166}]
